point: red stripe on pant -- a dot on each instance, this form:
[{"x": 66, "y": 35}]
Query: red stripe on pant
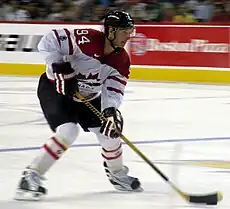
[
  {"x": 55, "y": 155},
  {"x": 112, "y": 150},
  {"x": 111, "y": 158},
  {"x": 58, "y": 143},
  {"x": 51, "y": 152}
]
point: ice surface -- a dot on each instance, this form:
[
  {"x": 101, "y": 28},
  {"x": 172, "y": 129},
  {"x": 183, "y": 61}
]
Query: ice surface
[{"x": 183, "y": 128}]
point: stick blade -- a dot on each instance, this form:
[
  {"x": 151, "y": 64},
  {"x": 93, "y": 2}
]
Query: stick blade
[{"x": 208, "y": 199}]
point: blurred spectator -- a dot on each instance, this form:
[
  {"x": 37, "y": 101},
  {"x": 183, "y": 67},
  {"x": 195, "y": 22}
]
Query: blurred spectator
[
  {"x": 221, "y": 13},
  {"x": 72, "y": 13},
  {"x": 153, "y": 11},
  {"x": 227, "y": 6},
  {"x": 104, "y": 2},
  {"x": 137, "y": 10},
  {"x": 204, "y": 10},
  {"x": 3, "y": 10},
  {"x": 191, "y": 4},
  {"x": 15, "y": 11},
  {"x": 184, "y": 14},
  {"x": 56, "y": 12},
  {"x": 94, "y": 10},
  {"x": 168, "y": 12},
  {"x": 97, "y": 13}
]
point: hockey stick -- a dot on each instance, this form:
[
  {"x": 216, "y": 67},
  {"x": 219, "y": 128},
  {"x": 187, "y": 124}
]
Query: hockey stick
[{"x": 208, "y": 199}]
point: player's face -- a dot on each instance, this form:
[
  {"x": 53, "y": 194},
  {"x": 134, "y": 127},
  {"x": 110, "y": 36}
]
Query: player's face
[{"x": 122, "y": 36}]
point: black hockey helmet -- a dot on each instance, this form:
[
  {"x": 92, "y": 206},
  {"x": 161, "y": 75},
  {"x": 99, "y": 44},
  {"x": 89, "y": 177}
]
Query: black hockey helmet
[{"x": 118, "y": 19}]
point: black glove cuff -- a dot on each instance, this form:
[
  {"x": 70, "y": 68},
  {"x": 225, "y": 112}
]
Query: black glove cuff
[
  {"x": 62, "y": 68},
  {"x": 110, "y": 111}
]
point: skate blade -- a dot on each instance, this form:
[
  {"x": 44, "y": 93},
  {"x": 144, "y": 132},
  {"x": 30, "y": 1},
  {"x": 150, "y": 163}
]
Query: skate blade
[
  {"x": 28, "y": 195},
  {"x": 123, "y": 189}
]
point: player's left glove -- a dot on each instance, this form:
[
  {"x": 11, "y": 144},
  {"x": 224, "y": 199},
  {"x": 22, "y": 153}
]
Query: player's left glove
[
  {"x": 65, "y": 79},
  {"x": 114, "y": 124}
]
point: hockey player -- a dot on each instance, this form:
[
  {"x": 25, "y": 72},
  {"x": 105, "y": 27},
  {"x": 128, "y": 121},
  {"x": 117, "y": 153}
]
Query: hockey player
[{"x": 95, "y": 64}]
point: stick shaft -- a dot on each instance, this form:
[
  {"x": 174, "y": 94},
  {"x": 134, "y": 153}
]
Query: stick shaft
[{"x": 133, "y": 147}]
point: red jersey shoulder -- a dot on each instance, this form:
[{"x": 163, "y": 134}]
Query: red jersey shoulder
[
  {"x": 90, "y": 41},
  {"x": 120, "y": 61}
]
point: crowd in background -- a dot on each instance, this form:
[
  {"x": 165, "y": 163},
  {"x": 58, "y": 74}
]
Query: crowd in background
[{"x": 217, "y": 11}]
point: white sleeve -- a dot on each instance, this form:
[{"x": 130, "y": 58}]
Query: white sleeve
[
  {"x": 55, "y": 45},
  {"x": 113, "y": 90}
]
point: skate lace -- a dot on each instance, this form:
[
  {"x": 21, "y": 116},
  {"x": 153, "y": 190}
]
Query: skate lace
[
  {"x": 122, "y": 177},
  {"x": 123, "y": 172},
  {"x": 35, "y": 177}
]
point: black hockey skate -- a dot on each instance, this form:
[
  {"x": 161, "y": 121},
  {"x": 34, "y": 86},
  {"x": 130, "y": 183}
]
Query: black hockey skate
[
  {"x": 30, "y": 186},
  {"x": 121, "y": 181}
]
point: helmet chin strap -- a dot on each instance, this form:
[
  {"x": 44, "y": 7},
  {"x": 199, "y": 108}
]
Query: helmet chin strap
[
  {"x": 114, "y": 37},
  {"x": 111, "y": 43},
  {"x": 116, "y": 49}
]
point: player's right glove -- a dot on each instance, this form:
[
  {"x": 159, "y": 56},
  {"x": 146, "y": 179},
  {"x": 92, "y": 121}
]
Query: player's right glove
[
  {"x": 114, "y": 124},
  {"x": 65, "y": 79}
]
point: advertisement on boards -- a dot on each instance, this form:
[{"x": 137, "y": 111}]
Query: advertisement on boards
[
  {"x": 181, "y": 45},
  {"x": 184, "y": 53},
  {"x": 18, "y": 42}
]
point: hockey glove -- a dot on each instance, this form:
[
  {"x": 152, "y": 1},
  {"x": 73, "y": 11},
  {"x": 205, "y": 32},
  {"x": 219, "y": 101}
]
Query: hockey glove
[
  {"x": 114, "y": 124},
  {"x": 65, "y": 78}
]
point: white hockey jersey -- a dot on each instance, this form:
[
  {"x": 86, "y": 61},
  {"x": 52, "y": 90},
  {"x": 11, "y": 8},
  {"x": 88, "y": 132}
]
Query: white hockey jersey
[{"x": 97, "y": 73}]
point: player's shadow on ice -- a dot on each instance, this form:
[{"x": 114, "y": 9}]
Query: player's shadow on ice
[
  {"x": 100, "y": 196},
  {"x": 116, "y": 198},
  {"x": 13, "y": 204}
]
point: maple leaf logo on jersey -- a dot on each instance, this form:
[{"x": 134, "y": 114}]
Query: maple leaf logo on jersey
[
  {"x": 88, "y": 77},
  {"x": 89, "y": 81}
]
